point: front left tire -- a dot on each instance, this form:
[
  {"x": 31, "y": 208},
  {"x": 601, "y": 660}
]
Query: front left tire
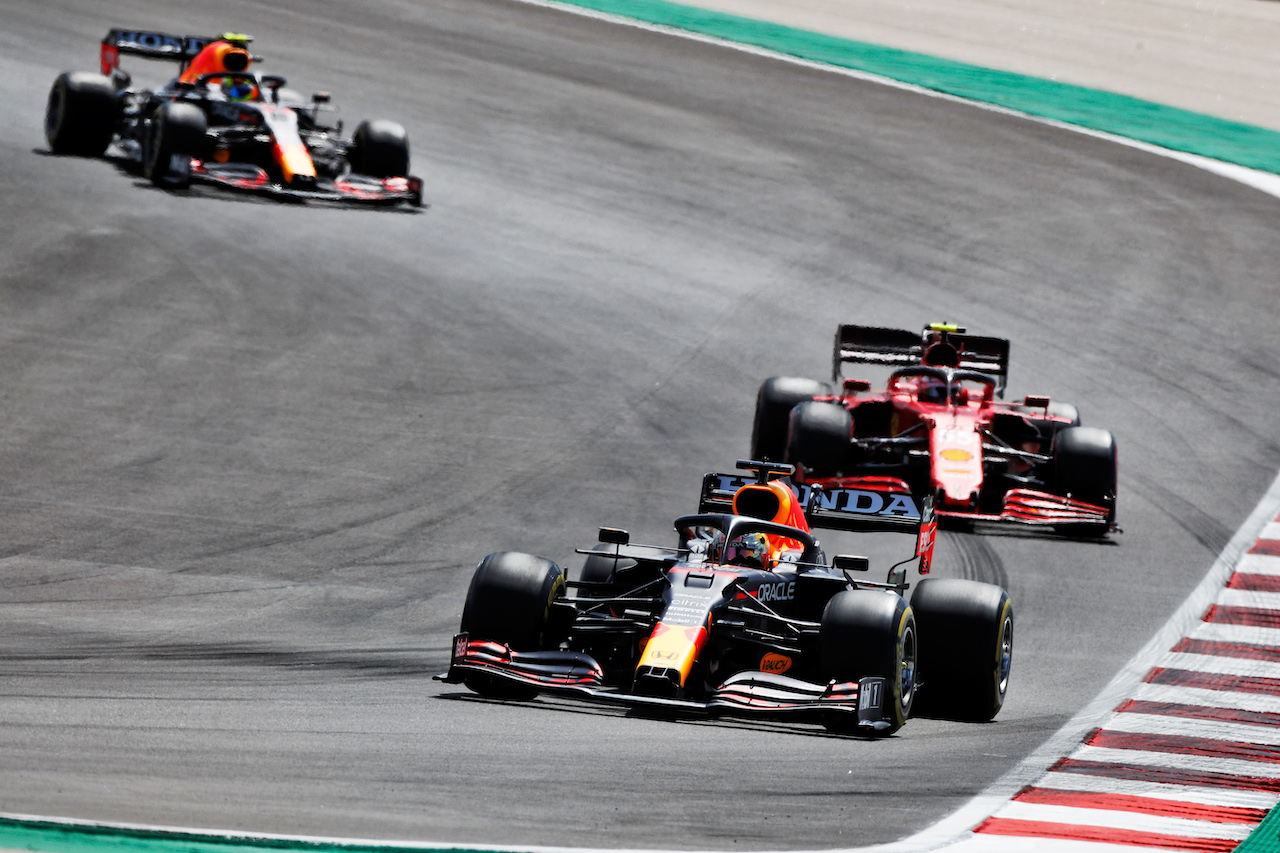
[
  {"x": 868, "y": 632},
  {"x": 81, "y": 114},
  {"x": 509, "y": 602}
]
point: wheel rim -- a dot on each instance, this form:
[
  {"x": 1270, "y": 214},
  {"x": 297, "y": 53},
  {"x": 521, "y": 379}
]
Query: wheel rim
[
  {"x": 907, "y": 670},
  {"x": 1006, "y": 655}
]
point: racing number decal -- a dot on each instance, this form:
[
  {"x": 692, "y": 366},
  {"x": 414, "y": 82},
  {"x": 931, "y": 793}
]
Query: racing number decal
[{"x": 869, "y": 698}]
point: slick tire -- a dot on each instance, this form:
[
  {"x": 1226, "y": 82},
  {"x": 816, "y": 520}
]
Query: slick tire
[
  {"x": 81, "y": 114},
  {"x": 966, "y": 648},
  {"x": 603, "y": 568},
  {"x": 777, "y": 396},
  {"x": 818, "y": 438},
  {"x": 509, "y": 601},
  {"x": 868, "y": 632},
  {"x": 379, "y": 149},
  {"x": 177, "y": 131},
  {"x": 1084, "y": 460}
]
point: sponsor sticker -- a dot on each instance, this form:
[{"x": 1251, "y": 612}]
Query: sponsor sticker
[
  {"x": 775, "y": 663},
  {"x": 955, "y": 454},
  {"x": 781, "y": 591}
]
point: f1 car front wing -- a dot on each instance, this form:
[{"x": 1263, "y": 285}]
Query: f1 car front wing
[
  {"x": 352, "y": 189},
  {"x": 745, "y": 693},
  {"x": 1028, "y": 506}
]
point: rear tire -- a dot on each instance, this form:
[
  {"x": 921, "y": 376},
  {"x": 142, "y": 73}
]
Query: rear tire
[
  {"x": 509, "y": 601},
  {"x": 867, "y": 632},
  {"x": 379, "y": 149},
  {"x": 966, "y": 648},
  {"x": 1084, "y": 460},
  {"x": 777, "y": 396},
  {"x": 177, "y": 131},
  {"x": 818, "y": 438},
  {"x": 81, "y": 114}
]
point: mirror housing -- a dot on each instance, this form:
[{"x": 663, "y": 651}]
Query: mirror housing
[
  {"x": 614, "y": 536},
  {"x": 855, "y": 386},
  {"x": 850, "y": 563}
]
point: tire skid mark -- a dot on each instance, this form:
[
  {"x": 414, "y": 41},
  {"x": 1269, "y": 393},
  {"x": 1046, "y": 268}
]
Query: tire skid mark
[{"x": 978, "y": 560}]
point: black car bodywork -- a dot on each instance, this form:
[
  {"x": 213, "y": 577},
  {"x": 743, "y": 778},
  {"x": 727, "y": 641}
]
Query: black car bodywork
[
  {"x": 682, "y": 629},
  {"x": 187, "y": 131}
]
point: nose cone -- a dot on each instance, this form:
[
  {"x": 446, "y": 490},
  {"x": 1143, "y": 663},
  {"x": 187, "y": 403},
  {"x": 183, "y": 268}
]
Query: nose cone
[{"x": 957, "y": 467}]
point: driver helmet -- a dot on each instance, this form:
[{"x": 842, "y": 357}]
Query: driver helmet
[
  {"x": 238, "y": 89},
  {"x": 750, "y": 550},
  {"x": 931, "y": 390}
]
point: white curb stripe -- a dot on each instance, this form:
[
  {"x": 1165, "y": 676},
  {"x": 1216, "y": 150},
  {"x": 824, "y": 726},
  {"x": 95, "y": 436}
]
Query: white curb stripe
[
  {"x": 1249, "y": 598},
  {"x": 1219, "y": 665},
  {"x": 1014, "y": 844},
  {"x": 1259, "y": 564},
  {"x": 1160, "y": 791},
  {"x": 1178, "y": 762},
  {"x": 1206, "y": 698},
  {"x": 1210, "y": 730},
  {"x": 1134, "y": 821},
  {"x": 1238, "y": 634}
]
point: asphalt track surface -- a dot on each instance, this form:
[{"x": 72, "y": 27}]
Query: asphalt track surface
[{"x": 252, "y": 451}]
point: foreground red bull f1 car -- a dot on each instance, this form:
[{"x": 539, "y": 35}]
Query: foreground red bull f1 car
[
  {"x": 938, "y": 429},
  {"x": 745, "y": 616},
  {"x": 219, "y": 122}
]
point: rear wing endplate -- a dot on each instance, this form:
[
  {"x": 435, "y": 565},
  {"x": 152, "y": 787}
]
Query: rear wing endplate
[
  {"x": 895, "y": 347},
  {"x": 150, "y": 45}
]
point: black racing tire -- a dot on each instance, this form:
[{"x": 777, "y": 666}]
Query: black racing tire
[
  {"x": 1085, "y": 465},
  {"x": 177, "y": 130},
  {"x": 598, "y": 568},
  {"x": 509, "y": 601},
  {"x": 966, "y": 648},
  {"x": 81, "y": 114},
  {"x": 379, "y": 149},
  {"x": 777, "y": 396},
  {"x": 818, "y": 438},
  {"x": 869, "y": 632}
]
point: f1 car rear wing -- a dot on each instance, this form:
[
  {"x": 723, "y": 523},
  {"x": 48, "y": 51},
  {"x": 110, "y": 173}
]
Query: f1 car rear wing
[
  {"x": 849, "y": 509},
  {"x": 149, "y": 45},
  {"x": 894, "y": 347}
]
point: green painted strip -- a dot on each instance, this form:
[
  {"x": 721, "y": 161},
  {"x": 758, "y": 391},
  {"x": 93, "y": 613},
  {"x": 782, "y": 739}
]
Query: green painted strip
[
  {"x": 1167, "y": 127},
  {"x": 50, "y": 836},
  {"x": 1265, "y": 838}
]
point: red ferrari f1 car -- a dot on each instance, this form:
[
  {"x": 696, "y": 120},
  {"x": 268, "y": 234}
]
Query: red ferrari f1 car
[
  {"x": 218, "y": 122},
  {"x": 938, "y": 429},
  {"x": 745, "y": 616}
]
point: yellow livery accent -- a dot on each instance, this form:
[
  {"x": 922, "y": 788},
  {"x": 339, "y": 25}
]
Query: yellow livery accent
[{"x": 673, "y": 647}]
